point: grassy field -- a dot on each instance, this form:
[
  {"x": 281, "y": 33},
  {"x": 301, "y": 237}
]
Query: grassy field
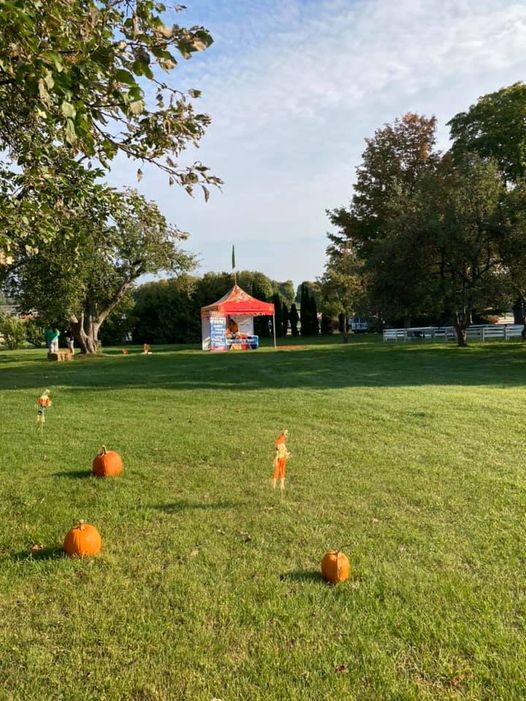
[{"x": 208, "y": 585}]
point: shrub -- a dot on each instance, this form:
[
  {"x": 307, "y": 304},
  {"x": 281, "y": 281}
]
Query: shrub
[
  {"x": 34, "y": 333},
  {"x": 12, "y": 331}
]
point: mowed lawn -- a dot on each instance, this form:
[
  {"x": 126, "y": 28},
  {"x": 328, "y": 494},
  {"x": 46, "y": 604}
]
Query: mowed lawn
[{"x": 208, "y": 586}]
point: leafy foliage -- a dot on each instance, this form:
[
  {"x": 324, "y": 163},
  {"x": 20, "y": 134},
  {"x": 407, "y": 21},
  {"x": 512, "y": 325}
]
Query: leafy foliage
[
  {"x": 426, "y": 235},
  {"x": 285, "y": 290},
  {"x": 12, "y": 331},
  {"x": 392, "y": 161},
  {"x": 342, "y": 284},
  {"x": 73, "y": 70},
  {"x": 449, "y": 233},
  {"x": 35, "y": 332},
  {"x": 309, "y": 312},
  {"x": 494, "y": 128},
  {"x": 294, "y": 319},
  {"x": 82, "y": 81},
  {"x": 167, "y": 311},
  {"x": 83, "y": 276}
]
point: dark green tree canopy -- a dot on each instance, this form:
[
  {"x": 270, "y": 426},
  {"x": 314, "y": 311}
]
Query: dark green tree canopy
[
  {"x": 81, "y": 276},
  {"x": 495, "y": 127},
  {"x": 394, "y": 158}
]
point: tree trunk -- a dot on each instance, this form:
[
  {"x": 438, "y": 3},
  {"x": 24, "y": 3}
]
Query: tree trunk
[
  {"x": 462, "y": 321},
  {"x": 346, "y": 327},
  {"x": 86, "y": 328},
  {"x": 519, "y": 311}
]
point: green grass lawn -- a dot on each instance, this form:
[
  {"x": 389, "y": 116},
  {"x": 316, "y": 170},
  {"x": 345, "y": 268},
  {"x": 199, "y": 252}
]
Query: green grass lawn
[{"x": 208, "y": 585}]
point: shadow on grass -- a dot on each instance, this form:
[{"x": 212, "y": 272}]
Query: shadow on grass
[
  {"x": 73, "y": 474},
  {"x": 52, "y": 553},
  {"x": 303, "y": 576},
  {"x": 183, "y": 505},
  {"x": 361, "y": 363}
]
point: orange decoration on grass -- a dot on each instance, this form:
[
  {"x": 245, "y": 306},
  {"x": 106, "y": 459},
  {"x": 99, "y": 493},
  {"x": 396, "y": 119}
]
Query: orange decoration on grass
[
  {"x": 335, "y": 566},
  {"x": 280, "y": 460},
  {"x": 108, "y": 463},
  {"x": 83, "y": 540}
]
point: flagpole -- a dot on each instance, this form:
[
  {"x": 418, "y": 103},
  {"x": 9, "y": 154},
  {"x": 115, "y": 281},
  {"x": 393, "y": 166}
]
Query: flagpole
[{"x": 234, "y": 264}]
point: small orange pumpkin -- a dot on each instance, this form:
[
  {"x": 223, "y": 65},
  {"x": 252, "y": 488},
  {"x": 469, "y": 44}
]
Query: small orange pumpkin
[
  {"x": 107, "y": 463},
  {"x": 83, "y": 540},
  {"x": 335, "y": 566}
]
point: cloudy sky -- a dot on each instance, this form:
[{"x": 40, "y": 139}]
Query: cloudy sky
[{"x": 295, "y": 86}]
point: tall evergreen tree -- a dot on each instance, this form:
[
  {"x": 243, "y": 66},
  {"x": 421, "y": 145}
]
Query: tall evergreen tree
[
  {"x": 261, "y": 323},
  {"x": 313, "y": 313},
  {"x": 305, "y": 310},
  {"x": 284, "y": 319},
  {"x": 294, "y": 318},
  {"x": 276, "y": 301}
]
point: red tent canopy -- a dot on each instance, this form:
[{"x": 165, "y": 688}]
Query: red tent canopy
[{"x": 237, "y": 301}]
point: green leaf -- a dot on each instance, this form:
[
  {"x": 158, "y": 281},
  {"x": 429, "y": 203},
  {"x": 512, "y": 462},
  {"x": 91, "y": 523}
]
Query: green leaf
[
  {"x": 48, "y": 78},
  {"x": 71, "y": 135},
  {"x": 67, "y": 109},
  {"x": 42, "y": 91},
  {"x": 125, "y": 77}
]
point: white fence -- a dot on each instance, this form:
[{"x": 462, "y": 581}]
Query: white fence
[{"x": 482, "y": 332}]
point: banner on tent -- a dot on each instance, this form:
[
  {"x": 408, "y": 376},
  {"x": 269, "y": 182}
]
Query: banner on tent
[{"x": 217, "y": 332}]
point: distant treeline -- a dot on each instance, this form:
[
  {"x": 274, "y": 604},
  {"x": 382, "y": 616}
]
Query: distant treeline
[{"x": 169, "y": 311}]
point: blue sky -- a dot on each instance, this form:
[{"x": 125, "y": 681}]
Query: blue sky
[{"x": 295, "y": 86}]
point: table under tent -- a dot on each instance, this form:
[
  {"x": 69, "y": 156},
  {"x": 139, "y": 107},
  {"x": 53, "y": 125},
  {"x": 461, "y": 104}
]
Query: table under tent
[{"x": 228, "y": 324}]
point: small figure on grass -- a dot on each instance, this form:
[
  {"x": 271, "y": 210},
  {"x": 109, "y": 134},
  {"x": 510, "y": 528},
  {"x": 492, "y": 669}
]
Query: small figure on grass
[
  {"x": 52, "y": 336},
  {"x": 280, "y": 460},
  {"x": 70, "y": 340},
  {"x": 43, "y": 403}
]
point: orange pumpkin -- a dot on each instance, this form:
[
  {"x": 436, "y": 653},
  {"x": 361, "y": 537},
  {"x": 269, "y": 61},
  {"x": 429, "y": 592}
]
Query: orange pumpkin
[
  {"x": 83, "y": 540},
  {"x": 335, "y": 566},
  {"x": 108, "y": 463}
]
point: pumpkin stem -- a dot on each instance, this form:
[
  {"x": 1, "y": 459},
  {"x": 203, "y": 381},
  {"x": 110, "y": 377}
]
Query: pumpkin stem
[
  {"x": 103, "y": 450},
  {"x": 80, "y": 525}
]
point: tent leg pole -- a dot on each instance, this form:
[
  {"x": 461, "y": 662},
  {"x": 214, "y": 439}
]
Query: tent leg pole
[{"x": 274, "y": 329}]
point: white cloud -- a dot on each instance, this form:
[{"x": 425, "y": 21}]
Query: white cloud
[{"x": 295, "y": 86}]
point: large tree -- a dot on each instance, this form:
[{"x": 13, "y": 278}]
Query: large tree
[
  {"x": 495, "y": 127},
  {"x": 81, "y": 277},
  {"x": 86, "y": 80},
  {"x": 341, "y": 286},
  {"x": 394, "y": 159},
  {"x": 449, "y": 233},
  {"x": 393, "y": 162},
  {"x": 285, "y": 290},
  {"x": 513, "y": 247}
]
